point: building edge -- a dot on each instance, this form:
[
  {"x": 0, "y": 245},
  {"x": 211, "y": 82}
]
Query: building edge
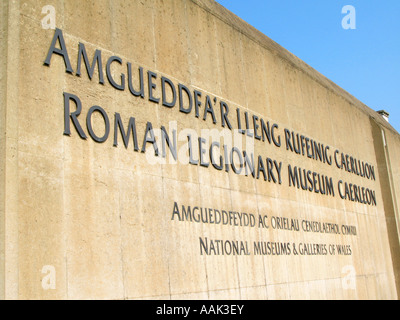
[{"x": 264, "y": 41}]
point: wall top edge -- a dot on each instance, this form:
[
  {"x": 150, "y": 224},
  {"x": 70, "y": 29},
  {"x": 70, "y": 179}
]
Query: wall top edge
[{"x": 264, "y": 41}]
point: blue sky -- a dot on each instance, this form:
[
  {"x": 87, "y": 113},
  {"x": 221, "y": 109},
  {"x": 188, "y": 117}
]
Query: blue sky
[{"x": 364, "y": 61}]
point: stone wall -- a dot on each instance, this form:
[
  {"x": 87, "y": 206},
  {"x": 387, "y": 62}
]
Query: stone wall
[{"x": 165, "y": 149}]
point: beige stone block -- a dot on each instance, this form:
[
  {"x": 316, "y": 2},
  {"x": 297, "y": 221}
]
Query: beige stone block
[
  {"x": 329, "y": 265},
  {"x": 361, "y": 291},
  {"x": 294, "y": 104},
  {"x": 203, "y": 54},
  {"x": 230, "y": 63},
  {"x": 250, "y": 267},
  {"x": 225, "y": 294},
  {"x": 133, "y": 31},
  {"x": 94, "y": 233},
  {"x": 41, "y": 228},
  {"x": 102, "y": 216},
  {"x": 299, "y": 291},
  {"x": 241, "y": 182},
  {"x": 185, "y": 259},
  {"x": 394, "y": 172},
  {"x": 315, "y": 116},
  {"x": 170, "y": 35},
  {"x": 214, "y": 178},
  {"x": 144, "y": 236},
  {"x": 317, "y": 290},
  {"x": 369, "y": 245},
  {"x": 90, "y": 23},
  {"x": 255, "y": 77},
  {"x": 278, "y": 292},
  {"x": 166, "y": 297},
  {"x": 372, "y": 287},
  {"x": 275, "y": 266},
  {"x": 221, "y": 273},
  {"x": 363, "y": 138},
  {"x": 253, "y": 293},
  {"x": 220, "y": 268},
  {"x": 387, "y": 289},
  {"x": 3, "y": 86},
  {"x": 190, "y": 296},
  {"x": 38, "y": 10},
  {"x": 274, "y": 68},
  {"x": 322, "y": 110},
  {"x": 39, "y": 119},
  {"x": 343, "y": 120},
  {"x": 334, "y": 289}
]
